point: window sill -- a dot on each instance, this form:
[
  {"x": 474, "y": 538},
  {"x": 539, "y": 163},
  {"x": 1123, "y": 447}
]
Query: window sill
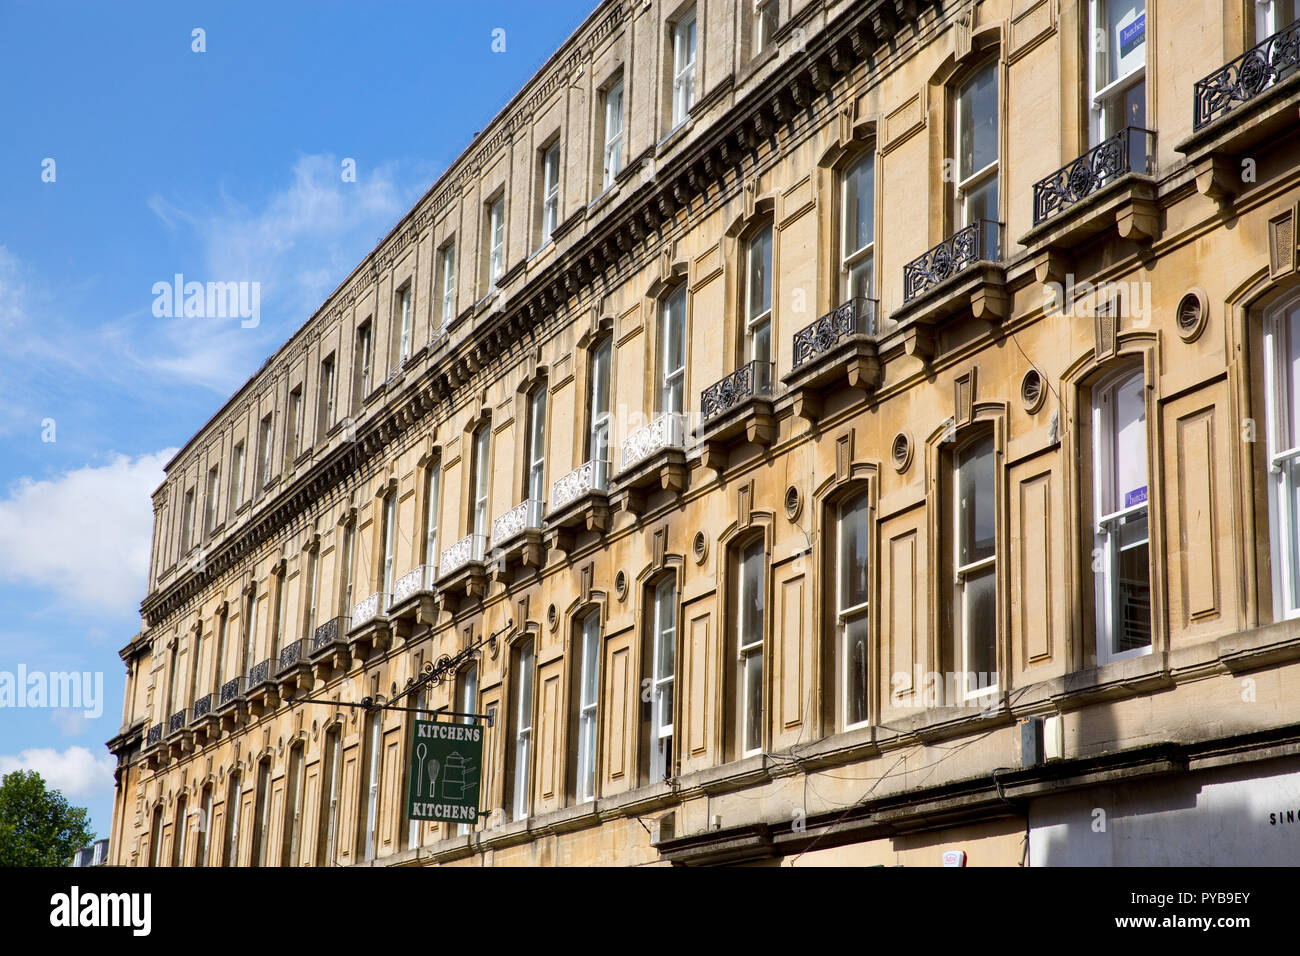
[{"x": 674, "y": 136}]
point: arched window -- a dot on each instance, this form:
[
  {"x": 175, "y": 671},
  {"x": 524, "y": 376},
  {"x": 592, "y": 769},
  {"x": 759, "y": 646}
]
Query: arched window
[
  {"x": 261, "y": 814},
  {"x": 521, "y": 728},
  {"x": 331, "y": 777},
  {"x": 293, "y": 796},
  {"x": 232, "y": 820},
  {"x": 179, "y": 833}
]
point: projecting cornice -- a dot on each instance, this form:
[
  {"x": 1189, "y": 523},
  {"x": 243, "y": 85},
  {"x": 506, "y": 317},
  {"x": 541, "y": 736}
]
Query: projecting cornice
[{"x": 626, "y": 235}]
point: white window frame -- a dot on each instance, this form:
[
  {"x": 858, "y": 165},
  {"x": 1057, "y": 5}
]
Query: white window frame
[
  {"x": 213, "y": 491},
  {"x": 972, "y": 181},
  {"x": 588, "y": 706},
  {"x": 663, "y": 673},
  {"x": 598, "y": 438},
  {"x": 404, "y": 339},
  {"x": 232, "y": 815},
  {"x": 237, "y": 475},
  {"x": 684, "y": 44},
  {"x": 847, "y": 614},
  {"x": 203, "y": 848},
  {"x": 219, "y": 651},
  {"x": 262, "y": 821},
  {"x": 550, "y": 191},
  {"x": 523, "y": 730},
  {"x": 853, "y": 259},
  {"x": 749, "y": 643},
  {"x": 313, "y": 583},
  {"x": 390, "y": 546},
  {"x": 433, "y": 502},
  {"x": 372, "y": 790},
  {"x": 1102, "y": 97},
  {"x": 1283, "y": 515},
  {"x": 496, "y": 239},
  {"x": 295, "y": 789},
  {"x": 1107, "y": 518},
  {"x": 448, "y": 283},
  {"x": 333, "y": 754},
  {"x": 413, "y": 826},
  {"x": 613, "y": 152},
  {"x": 348, "y": 559},
  {"x": 187, "y": 521},
  {"x": 535, "y": 487},
  {"x": 267, "y": 436},
  {"x": 479, "y": 506},
  {"x": 328, "y": 385},
  {"x": 964, "y": 572},
  {"x": 250, "y": 637},
  {"x": 467, "y": 698},
  {"x": 766, "y": 14},
  {"x": 672, "y": 381},
  {"x": 296, "y": 415},
  {"x": 758, "y": 320},
  {"x": 281, "y": 598},
  {"x": 364, "y": 337}
]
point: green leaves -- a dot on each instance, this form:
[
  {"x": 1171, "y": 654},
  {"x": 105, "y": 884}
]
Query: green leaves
[{"x": 37, "y": 825}]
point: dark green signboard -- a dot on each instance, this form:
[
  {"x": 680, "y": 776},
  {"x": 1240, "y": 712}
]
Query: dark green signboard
[{"x": 443, "y": 780}]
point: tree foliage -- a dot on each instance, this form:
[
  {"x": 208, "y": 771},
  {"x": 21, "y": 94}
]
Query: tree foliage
[{"x": 38, "y": 827}]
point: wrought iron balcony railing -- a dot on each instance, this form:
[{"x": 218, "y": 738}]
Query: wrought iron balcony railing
[
  {"x": 295, "y": 653},
  {"x": 1129, "y": 150},
  {"x": 367, "y": 609},
  {"x": 176, "y": 722},
  {"x": 472, "y": 547},
  {"x": 230, "y": 691},
  {"x": 202, "y": 707},
  {"x": 153, "y": 736},
  {"x": 523, "y": 516},
  {"x": 329, "y": 632},
  {"x": 583, "y": 480},
  {"x": 1244, "y": 78},
  {"x": 855, "y": 317},
  {"x": 970, "y": 244},
  {"x": 751, "y": 379},
  {"x": 666, "y": 431},
  {"x": 259, "y": 673}
]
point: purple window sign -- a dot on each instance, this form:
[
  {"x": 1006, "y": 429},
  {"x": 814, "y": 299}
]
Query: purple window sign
[{"x": 1138, "y": 496}]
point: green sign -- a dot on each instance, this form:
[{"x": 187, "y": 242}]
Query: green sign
[{"x": 443, "y": 780}]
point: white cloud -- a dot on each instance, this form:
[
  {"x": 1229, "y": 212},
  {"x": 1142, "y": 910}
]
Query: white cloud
[
  {"x": 85, "y": 534},
  {"x": 76, "y": 772}
]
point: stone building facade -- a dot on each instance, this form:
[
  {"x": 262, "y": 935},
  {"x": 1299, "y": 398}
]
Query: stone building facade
[{"x": 815, "y": 432}]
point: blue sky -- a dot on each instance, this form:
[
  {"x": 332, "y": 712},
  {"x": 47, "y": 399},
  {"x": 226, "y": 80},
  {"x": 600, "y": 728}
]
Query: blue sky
[{"x": 223, "y": 165}]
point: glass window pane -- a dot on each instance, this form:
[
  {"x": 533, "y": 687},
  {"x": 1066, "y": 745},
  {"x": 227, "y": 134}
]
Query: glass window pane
[
  {"x": 980, "y": 611},
  {"x": 978, "y": 135},
  {"x": 982, "y": 203},
  {"x": 860, "y": 279},
  {"x": 760, "y": 273},
  {"x": 975, "y": 517},
  {"x": 853, "y": 553},
  {"x": 1125, "y": 38},
  {"x": 1130, "y": 431},
  {"x": 859, "y": 203},
  {"x": 753, "y": 677},
  {"x": 751, "y": 594},
  {"x": 1133, "y": 586},
  {"x": 855, "y": 672},
  {"x": 1290, "y": 357}
]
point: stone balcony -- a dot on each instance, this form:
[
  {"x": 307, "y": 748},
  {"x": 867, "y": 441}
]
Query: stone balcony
[
  {"x": 837, "y": 350},
  {"x": 330, "y": 654},
  {"x": 735, "y": 410},
  {"x": 415, "y": 600},
  {"x": 463, "y": 572},
  {"x": 232, "y": 706},
  {"x": 963, "y": 276},
  {"x": 293, "y": 669},
  {"x": 517, "y": 539},
  {"x": 654, "y": 461},
  {"x": 204, "y": 722},
  {"x": 263, "y": 692},
  {"x": 180, "y": 740},
  {"x": 1240, "y": 108},
  {"x": 579, "y": 504},
  {"x": 1110, "y": 187},
  {"x": 155, "y": 750},
  {"x": 370, "y": 632}
]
